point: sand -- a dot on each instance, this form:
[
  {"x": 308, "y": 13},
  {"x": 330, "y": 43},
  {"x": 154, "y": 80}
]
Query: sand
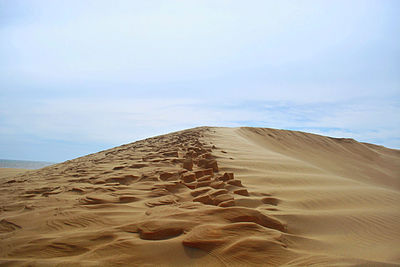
[
  {"x": 7, "y": 172},
  {"x": 209, "y": 197}
]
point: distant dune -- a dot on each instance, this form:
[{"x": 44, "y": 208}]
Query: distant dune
[
  {"x": 209, "y": 196},
  {"x": 23, "y": 164}
]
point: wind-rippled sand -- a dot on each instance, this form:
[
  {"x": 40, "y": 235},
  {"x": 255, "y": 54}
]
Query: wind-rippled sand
[{"x": 208, "y": 197}]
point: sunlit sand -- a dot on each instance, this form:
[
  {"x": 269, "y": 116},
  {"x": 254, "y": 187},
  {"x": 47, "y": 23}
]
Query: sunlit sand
[{"x": 208, "y": 197}]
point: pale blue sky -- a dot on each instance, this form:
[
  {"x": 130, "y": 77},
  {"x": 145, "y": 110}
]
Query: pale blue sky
[{"x": 77, "y": 77}]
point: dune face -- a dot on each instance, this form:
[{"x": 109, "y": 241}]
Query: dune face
[
  {"x": 209, "y": 196},
  {"x": 6, "y": 172}
]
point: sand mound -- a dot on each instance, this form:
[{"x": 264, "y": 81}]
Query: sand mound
[{"x": 208, "y": 196}]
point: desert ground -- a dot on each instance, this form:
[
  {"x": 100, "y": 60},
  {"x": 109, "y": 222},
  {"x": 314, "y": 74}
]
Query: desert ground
[
  {"x": 208, "y": 196},
  {"x": 7, "y": 172}
]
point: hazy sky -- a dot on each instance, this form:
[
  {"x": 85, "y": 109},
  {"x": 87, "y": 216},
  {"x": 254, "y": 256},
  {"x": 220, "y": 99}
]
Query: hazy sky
[{"x": 77, "y": 77}]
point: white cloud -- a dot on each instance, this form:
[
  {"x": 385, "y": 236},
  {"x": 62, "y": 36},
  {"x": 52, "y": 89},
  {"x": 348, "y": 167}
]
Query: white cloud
[
  {"x": 118, "y": 120},
  {"x": 95, "y": 72}
]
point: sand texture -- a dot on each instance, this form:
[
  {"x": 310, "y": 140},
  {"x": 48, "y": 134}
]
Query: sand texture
[
  {"x": 7, "y": 172},
  {"x": 208, "y": 197}
]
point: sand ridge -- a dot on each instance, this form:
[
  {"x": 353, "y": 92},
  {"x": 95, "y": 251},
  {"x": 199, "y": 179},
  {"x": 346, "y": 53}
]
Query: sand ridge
[
  {"x": 154, "y": 194},
  {"x": 208, "y": 196},
  {"x": 339, "y": 198}
]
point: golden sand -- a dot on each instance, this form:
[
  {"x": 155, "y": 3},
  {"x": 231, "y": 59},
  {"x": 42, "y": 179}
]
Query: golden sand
[{"x": 208, "y": 197}]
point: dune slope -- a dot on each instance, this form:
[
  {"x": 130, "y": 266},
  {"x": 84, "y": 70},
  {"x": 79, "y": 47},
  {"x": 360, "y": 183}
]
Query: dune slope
[{"x": 209, "y": 196}]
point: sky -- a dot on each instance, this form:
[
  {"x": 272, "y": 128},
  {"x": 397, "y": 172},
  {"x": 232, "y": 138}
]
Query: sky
[{"x": 80, "y": 76}]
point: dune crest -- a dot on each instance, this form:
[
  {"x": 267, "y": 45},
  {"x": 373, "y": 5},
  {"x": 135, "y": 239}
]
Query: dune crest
[{"x": 208, "y": 196}]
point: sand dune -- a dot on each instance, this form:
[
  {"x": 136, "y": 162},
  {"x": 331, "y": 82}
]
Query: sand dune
[
  {"x": 7, "y": 172},
  {"x": 209, "y": 196}
]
